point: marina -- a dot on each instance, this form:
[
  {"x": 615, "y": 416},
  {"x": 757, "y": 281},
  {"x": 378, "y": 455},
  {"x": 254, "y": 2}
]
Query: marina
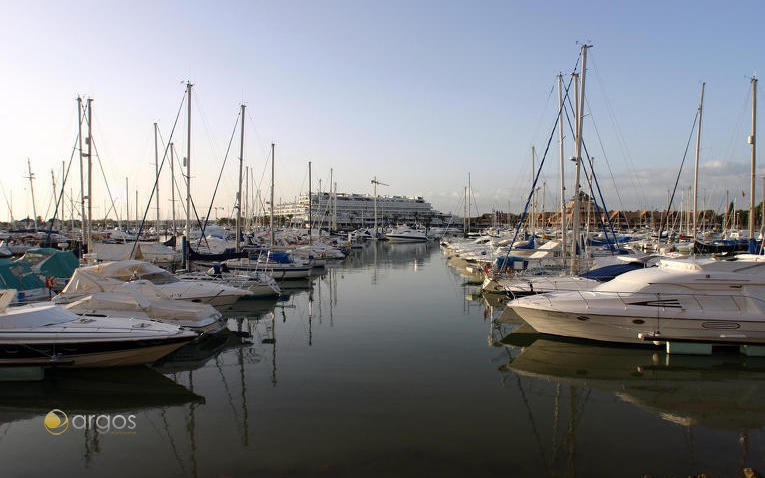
[
  {"x": 370, "y": 239},
  {"x": 337, "y": 378}
]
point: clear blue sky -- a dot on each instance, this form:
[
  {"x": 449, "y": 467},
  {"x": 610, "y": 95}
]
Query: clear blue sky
[{"x": 417, "y": 93}]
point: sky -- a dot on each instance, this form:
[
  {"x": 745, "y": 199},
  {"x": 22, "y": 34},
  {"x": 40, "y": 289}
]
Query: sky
[{"x": 417, "y": 93}]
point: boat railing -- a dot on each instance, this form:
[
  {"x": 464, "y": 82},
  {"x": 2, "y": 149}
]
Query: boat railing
[{"x": 669, "y": 300}]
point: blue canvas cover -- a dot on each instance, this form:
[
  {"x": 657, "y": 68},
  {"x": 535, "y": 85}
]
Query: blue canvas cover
[
  {"x": 529, "y": 245},
  {"x": 280, "y": 257},
  {"x": 18, "y": 275},
  {"x": 52, "y": 262},
  {"x": 606, "y": 273}
]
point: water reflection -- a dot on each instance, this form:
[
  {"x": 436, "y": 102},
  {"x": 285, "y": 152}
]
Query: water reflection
[
  {"x": 379, "y": 366},
  {"x": 722, "y": 392}
]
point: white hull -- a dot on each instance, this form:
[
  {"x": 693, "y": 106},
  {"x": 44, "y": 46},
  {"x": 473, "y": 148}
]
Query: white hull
[{"x": 626, "y": 329}]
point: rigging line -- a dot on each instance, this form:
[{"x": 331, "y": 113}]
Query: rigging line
[
  {"x": 737, "y": 127},
  {"x": 193, "y": 206},
  {"x": 156, "y": 180},
  {"x": 536, "y": 178},
  {"x": 619, "y": 134},
  {"x": 603, "y": 149},
  {"x": 220, "y": 174},
  {"x": 7, "y": 203},
  {"x": 679, "y": 172},
  {"x": 101, "y": 167},
  {"x": 103, "y": 174},
  {"x": 592, "y": 198},
  {"x": 60, "y": 197}
]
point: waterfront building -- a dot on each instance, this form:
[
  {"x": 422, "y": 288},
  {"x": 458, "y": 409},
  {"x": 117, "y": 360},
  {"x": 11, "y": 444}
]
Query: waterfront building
[{"x": 358, "y": 210}]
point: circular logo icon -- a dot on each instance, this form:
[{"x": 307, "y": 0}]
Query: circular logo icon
[{"x": 56, "y": 422}]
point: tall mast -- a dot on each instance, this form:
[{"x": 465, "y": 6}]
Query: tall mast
[
  {"x": 544, "y": 193},
  {"x": 246, "y": 197},
  {"x": 172, "y": 185},
  {"x": 469, "y": 211},
  {"x": 156, "y": 175},
  {"x": 90, "y": 168},
  {"x": 533, "y": 216},
  {"x": 188, "y": 173},
  {"x": 331, "y": 205},
  {"x": 271, "y": 239},
  {"x": 753, "y": 142},
  {"x": 239, "y": 194},
  {"x": 127, "y": 204},
  {"x": 696, "y": 166},
  {"x": 82, "y": 177},
  {"x": 374, "y": 181},
  {"x": 31, "y": 178},
  {"x": 464, "y": 207},
  {"x": 580, "y": 118},
  {"x": 310, "y": 201},
  {"x": 63, "y": 196},
  {"x": 562, "y": 171},
  {"x": 575, "y": 226}
]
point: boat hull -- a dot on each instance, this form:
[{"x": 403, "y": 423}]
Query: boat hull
[
  {"x": 629, "y": 328},
  {"x": 101, "y": 354}
]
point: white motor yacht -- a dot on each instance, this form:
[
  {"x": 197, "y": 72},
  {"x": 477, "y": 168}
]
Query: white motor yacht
[
  {"x": 208, "y": 292},
  {"x": 47, "y": 334},
  {"x": 702, "y": 300},
  {"x": 257, "y": 282},
  {"x": 93, "y": 295},
  {"x": 406, "y": 234},
  {"x": 278, "y": 265}
]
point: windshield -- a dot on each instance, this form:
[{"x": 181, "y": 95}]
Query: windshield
[{"x": 163, "y": 277}]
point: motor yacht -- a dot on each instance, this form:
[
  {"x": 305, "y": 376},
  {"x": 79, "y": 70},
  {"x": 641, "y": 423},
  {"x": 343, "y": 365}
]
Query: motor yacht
[
  {"x": 702, "y": 300},
  {"x": 406, "y": 234},
  {"x": 92, "y": 295},
  {"x": 47, "y": 335},
  {"x": 213, "y": 293}
]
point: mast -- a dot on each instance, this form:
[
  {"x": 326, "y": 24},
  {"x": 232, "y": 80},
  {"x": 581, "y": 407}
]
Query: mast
[
  {"x": 172, "y": 185},
  {"x": 127, "y": 205},
  {"x": 465, "y": 219},
  {"x": 310, "y": 201},
  {"x": 533, "y": 217},
  {"x": 562, "y": 171},
  {"x": 63, "y": 196},
  {"x": 575, "y": 226},
  {"x": 246, "y": 197},
  {"x": 188, "y": 174},
  {"x": 696, "y": 167},
  {"x": 156, "y": 175},
  {"x": 331, "y": 205},
  {"x": 82, "y": 178},
  {"x": 752, "y": 141},
  {"x": 469, "y": 209},
  {"x": 90, "y": 168},
  {"x": 271, "y": 239},
  {"x": 53, "y": 179},
  {"x": 239, "y": 194},
  {"x": 544, "y": 193},
  {"x": 31, "y": 178},
  {"x": 579, "y": 122},
  {"x": 374, "y": 181}
]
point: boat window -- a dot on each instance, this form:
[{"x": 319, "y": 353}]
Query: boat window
[{"x": 163, "y": 277}]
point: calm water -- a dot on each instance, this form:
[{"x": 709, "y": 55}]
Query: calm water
[{"x": 389, "y": 365}]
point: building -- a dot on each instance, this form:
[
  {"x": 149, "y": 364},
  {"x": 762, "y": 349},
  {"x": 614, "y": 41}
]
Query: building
[{"x": 358, "y": 210}]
